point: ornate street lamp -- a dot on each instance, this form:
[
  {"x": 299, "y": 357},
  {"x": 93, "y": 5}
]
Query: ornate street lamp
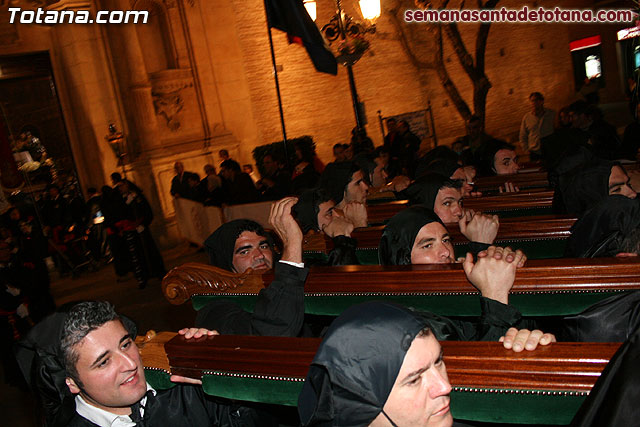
[{"x": 353, "y": 43}]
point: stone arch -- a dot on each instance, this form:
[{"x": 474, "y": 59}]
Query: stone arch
[{"x": 155, "y": 37}]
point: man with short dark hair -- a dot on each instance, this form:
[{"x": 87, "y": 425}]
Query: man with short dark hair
[
  {"x": 348, "y": 186},
  {"x": 238, "y": 186},
  {"x": 536, "y": 124},
  {"x": 180, "y": 183},
  {"x": 88, "y": 370},
  {"x": 338, "y": 153},
  {"x": 276, "y": 183}
]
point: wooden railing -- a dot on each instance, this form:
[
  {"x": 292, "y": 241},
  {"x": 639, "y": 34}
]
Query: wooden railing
[
  {"x": 542, "y": 386},
  {"x": 542, "y": 287}
]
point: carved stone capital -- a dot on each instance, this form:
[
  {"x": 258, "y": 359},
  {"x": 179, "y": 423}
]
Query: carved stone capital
[{"x": 182, "y": 282}]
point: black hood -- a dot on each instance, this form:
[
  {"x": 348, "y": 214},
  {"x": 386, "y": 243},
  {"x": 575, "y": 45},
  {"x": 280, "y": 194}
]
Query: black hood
[
  {"x": 357, "y": 363},
  {"x": 219, "y": 245},
  {"x": 335, "y": 178},
  {"x": 585, "y": 187},
  {"x": 307, "y": 208},
  {"x": 444, "y": 167},
  {"x": 601, "y": 230},
  {"x": 424, "y": 190},
  {"x": 400, "y": 234}
]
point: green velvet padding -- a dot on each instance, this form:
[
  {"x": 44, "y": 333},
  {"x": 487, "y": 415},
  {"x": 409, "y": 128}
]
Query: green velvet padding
[
  {"x": 515, "y": 408},
  {"x": 556, "y": 304},
  {"x": 314, "y": 257},
  {"x": 445, "y": 305},
  {"x": 543, "y": 304},
  {"x": 253, "y": 389},
  {"x": 515, "y": 213},
  {"x": 247, "y": 302},
  {"x": 534, "y": 249},
  {"x": 159, "y": 380}
]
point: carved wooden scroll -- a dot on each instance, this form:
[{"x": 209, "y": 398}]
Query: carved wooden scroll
[
  {"x": 564, "y": 275},
  {"x": 193, "y": 278}
]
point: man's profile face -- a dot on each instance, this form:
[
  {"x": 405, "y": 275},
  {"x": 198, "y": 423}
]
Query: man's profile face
[
  {"x": 252, "y": 251},
  {"x": 432, "y": 245},
  {"x": 357, "y": 188},
  {"x": 420, "y": 395},
  {"x": 448, "y": 205},
  {"x": 619, "y": 183},
  {"x": 110, "y": 369},
  {"x": 325, "y": 214},
  {"x": 505, "y": 162}
]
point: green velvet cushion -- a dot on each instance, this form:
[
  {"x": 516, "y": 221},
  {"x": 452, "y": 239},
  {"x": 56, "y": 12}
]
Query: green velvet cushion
[
  {"x": 542, "y": 304},
  {"x": 506, "y": 406}
]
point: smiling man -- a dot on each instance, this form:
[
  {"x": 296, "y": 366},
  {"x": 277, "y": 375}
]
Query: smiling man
[{"x": 88, "y": 372}]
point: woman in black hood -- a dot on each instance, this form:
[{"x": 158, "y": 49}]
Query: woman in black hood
[{"x": 606, "y": 230}]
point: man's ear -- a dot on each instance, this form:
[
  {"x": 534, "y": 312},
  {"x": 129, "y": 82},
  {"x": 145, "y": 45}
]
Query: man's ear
[{"x": 73, "y": 387}]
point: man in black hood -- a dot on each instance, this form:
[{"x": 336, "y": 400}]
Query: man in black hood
[
  {"x": 315, "y": 211},
  {"x": 444, "y": 197},
  {"x": 610, "y": 228},
  {"x": 588, "y": 184},
  {"x": 380, "y": 364},
  {"x": 242, "y": 246}
]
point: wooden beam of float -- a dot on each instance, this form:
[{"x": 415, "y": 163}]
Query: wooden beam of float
[
  {"x": 545, "y": 386},
  {"x": 545, "y": 227},
  {"x": 524, "y": 203},
  {"x": 542, "y": 288}
]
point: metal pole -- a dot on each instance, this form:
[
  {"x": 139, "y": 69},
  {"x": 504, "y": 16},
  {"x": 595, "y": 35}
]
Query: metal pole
[
  {"x": 275, "y": 77},
  {"x": 352, "y": 83},
  {"x": 354, "y": 97}
]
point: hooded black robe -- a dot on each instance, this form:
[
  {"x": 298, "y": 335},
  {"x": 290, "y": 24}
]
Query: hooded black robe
[
  {"x": 602, "y": 229},
  {"x": 356, "y": 364},
  {"x": 401, "y": 231},
  {"x": 306, "y": 212},
  {"x": 613, "y": 400},
  {"x": 336, "y": 177},
  {"x": 585, "y": 186},
  {"x": 279, "y": 309}
]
